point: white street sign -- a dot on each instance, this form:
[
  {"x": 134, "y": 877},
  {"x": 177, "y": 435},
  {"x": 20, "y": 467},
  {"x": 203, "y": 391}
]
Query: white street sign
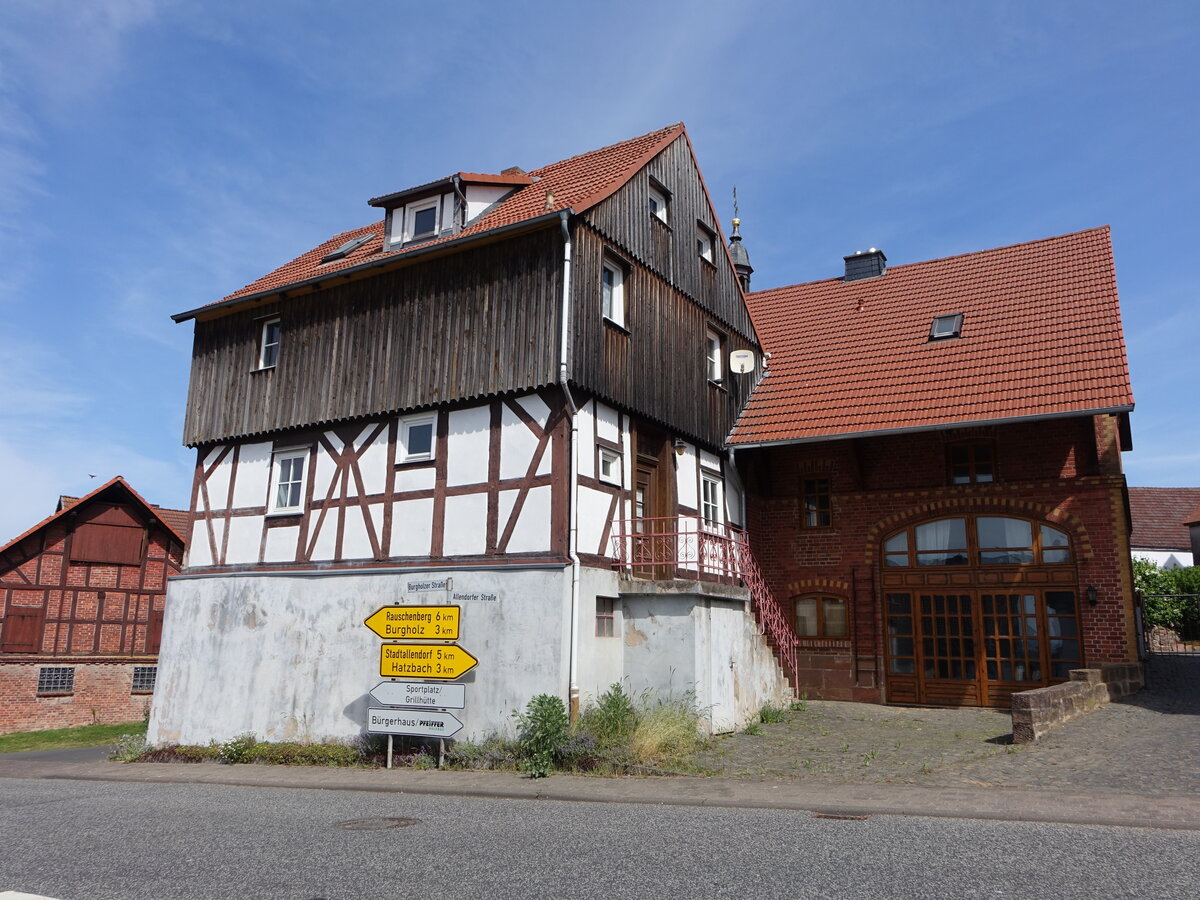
[
  {"x": 417, "y": 693},
  {"x": 417, "y": 722}
]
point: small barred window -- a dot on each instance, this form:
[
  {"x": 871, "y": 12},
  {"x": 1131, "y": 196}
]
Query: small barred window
[
  {"x": 143, "y": 679},
  {"x": 56, "y": 680}
]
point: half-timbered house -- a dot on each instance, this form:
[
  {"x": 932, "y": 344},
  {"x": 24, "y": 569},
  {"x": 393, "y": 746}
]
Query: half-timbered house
[
  {"x": 934, "y": 472},
  {"x": 479, "y": 398},
  {"x": 82, "y": 598}
]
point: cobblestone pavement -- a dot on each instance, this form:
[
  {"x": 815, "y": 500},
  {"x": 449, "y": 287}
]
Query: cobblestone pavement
[{"x": 1147, "y": 745}]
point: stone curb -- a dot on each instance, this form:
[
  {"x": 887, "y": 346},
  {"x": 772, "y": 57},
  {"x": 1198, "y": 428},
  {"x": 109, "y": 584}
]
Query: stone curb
[{"x": 1003, "y": 804}]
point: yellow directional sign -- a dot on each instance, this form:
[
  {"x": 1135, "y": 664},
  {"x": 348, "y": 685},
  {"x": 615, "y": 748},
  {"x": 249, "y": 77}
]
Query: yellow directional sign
[
  {"x": 441, "y": 661},
  {"x": 421, "y": 623}
]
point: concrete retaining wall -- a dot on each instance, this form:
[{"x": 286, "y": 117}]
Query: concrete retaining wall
[{"x": 1036, "y": 712}]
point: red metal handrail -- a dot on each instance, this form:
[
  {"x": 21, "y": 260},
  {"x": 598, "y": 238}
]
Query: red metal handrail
[{"x": 690, "y": 546}]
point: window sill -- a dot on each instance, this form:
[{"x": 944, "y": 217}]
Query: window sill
[
  {"x": 55, "y": 694},
  {"x": 283, "y": 513},
  {"x": 663, "y": 222},
  {"x": 423, "y": 463},
  {"x": 719, "y": 385},
  {"x": 262, "y": 369},
  {"x": 707, "y": 262},
  {"x": 616, "y": 326}
]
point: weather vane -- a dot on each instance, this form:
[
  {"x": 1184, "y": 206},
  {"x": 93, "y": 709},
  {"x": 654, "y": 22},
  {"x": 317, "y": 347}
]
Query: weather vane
[{"x": 735, "y": 206}]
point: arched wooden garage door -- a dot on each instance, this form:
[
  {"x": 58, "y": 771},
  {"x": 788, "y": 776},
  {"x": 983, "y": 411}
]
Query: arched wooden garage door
[{"x": 978, "y": 608}]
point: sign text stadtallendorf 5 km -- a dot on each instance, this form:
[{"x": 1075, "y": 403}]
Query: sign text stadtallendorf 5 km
[{"x": 440, "y": 661}]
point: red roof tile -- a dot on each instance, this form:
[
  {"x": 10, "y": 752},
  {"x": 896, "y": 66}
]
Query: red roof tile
[
  {"x": 1041, "y": 337},
  {"x": 179, "y": 521},
  {"x": 1160, "y": 517},
  {"x": 577, "y": 183}
]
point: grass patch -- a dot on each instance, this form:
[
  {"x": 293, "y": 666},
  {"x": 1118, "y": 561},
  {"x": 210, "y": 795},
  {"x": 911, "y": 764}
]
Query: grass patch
[{"x": 66, "y": 738}]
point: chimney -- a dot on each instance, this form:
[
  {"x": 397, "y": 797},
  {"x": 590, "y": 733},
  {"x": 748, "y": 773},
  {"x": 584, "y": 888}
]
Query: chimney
[{"x": 865, "y": 264}]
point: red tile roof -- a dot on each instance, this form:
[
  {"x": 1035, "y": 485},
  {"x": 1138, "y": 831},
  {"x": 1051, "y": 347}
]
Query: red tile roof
[
  {"x": 1041, "y": 337},
  {"x": 1160, "y": 517},
  {"x": 179, "y": 521},
  {"x": 577, "y": 183}
]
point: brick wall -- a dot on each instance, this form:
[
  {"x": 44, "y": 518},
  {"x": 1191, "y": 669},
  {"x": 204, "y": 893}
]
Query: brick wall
[
  {"x": 1065, "y": 472},
  {"x": 102, "y": 694}
]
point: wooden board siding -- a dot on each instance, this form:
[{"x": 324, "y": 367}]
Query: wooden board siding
[
  {"x": 655, "y": 367},
  {"x": 480, "y": 322},
  {"x": 669, "y": 250}
]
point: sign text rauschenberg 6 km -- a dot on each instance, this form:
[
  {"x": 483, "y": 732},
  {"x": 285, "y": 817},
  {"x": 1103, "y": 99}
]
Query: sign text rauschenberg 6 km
[{"x": 417, "y": 623}]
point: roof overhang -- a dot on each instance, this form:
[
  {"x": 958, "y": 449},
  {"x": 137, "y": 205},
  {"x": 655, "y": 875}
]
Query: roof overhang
[
  {"x": 394, "y": 259},
  {"x": 945, "y": 426}
]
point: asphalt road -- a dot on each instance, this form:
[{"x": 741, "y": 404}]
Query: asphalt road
[{"x": 74, "y": 840}]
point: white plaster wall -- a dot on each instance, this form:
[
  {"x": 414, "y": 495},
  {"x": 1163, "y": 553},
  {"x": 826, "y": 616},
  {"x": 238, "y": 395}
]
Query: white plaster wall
[
  {"x": 467, "y": 447},
  {"x": 517, "y": 445},
  {"x": 593, "y": 516},
  {"x": 218, "y": 482},
  {"x": 536, "y": 407},
  {"x": 373, "y": 463},
  {"x": 245, "y": 536},
  {"x": 601, "y": 659},
  {"x": 532, "y": 531},
  {"x": 281, "y": 544},
  {"x": 466, "y": 525},
  {"x": 288, "y": 657},
  {"x": 586, "y": 447},
  {"x": 686, "y": 477},
  {"x": 607, "y": 423},
  {"x": 735, "y": 502},
  {"x": 680, "y": 643},
  {"x": 422, "y": 479},
  {"x": 253, "y": 475},
  {"x": 326, "y": 529},
  {"x": 481, "y": 196},
  {"x": 355, "y": 542},
  {"x": 323, "y": 485},
  {"x": 412, "y": 527},
  {"x": 199, "y": 551}
]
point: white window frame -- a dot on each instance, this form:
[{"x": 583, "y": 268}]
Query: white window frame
[
  {"x": 410, "y": 219},
  {"x": 406, "y": 425},
  {"x": 705, "y": 243},
  {"x": 714, "y": 350},
  {"x": 263, "y": 343},
  {"x": 614, "y": 457},
  {"x": 658, "y": 198},
  {"x": 712, "y": 513},
  {"x": 612, "y": 307},
  {"x": 274, "y": 508}
]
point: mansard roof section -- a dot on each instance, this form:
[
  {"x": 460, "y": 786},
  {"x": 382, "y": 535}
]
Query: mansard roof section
[
  {"x": 176, "y": 521},
  {"x": 1040, "y": 337},
  {"x": 574, "y": 184}
]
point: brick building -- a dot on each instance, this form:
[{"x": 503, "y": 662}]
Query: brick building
[
  {"x": 933, "y": 472},
  {"x": 81, "y": 610}
]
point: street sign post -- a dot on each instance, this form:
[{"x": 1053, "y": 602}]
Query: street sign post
[
  {"x": 444, "y": 662},
  {"x": 416, "y": 623},
  {"x": 416, "y": 693},
  {"x": 415, "y": 722}
]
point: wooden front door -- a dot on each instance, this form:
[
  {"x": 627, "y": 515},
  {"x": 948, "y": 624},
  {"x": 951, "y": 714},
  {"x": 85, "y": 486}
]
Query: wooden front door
[{"x": 653, "y": 508}]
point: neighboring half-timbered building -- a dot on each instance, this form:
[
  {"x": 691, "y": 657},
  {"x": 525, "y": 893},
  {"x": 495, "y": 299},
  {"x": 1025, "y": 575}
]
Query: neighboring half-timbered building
[
  {"x": 481, "y": 398},
  {"x": 82, "y": 598}
]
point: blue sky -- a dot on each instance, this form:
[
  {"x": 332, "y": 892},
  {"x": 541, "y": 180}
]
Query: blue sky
[{"x": 157, "y": 155}]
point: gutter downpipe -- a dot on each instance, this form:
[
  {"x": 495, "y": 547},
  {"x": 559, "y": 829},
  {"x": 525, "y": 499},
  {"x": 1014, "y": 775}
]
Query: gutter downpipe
[{"x": 573, "y": 518}]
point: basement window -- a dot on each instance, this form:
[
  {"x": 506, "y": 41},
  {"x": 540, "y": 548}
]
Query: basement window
[
  {"x": 946, "y": 327},
  {"x": 143, "y": 679},
  {"x": 56, "y": 680}
]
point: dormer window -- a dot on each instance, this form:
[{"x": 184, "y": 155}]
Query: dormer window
[
  {"x": 658, "y": 203},
  {"x": 946, "y": 327},
  {"x": 268, "y": 345},
  {"x": 423, "y": 220},
  {"x": 705, "y": 240}
]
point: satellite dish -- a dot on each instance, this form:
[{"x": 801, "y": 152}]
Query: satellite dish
[{"x": 741, "y": 361}]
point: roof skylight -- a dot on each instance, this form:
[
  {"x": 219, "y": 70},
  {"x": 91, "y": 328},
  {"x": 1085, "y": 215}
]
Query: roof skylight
[
  {"x": 346, "y": 249},
  {"x": 946, "y": 327}
]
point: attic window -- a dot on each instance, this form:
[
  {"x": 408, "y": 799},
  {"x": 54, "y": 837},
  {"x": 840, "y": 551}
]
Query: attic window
[
  {"x": 346, "y": 249},
  {"x": 658, "y": 202},
  {"x": 946, "y": 327}
]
